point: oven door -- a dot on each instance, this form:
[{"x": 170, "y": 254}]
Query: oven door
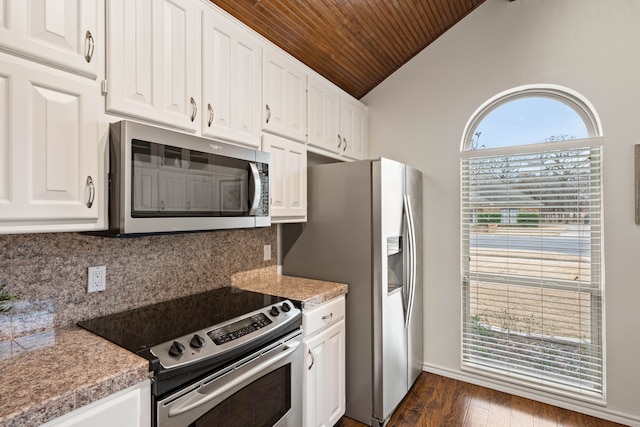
[{"x": 263, "y": 389}]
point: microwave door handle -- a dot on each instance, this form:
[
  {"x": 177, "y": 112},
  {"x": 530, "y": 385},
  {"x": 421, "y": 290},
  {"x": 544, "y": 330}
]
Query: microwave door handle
[{"x": 255, "y": 188}]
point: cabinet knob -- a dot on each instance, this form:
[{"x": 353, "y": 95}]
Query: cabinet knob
[
  {"x": 210, "y": 109},
  {"x": 92, "y": 191},
  {"x": 268, "y": 113},
  {"x": 89, "y": 46},
  {"x": 194, "y": 109}
]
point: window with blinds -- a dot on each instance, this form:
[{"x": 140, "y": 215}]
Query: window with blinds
[{"x": 532, "y": 263}]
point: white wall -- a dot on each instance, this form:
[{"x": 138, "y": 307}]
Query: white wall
[{"x": 418, "y": 115}]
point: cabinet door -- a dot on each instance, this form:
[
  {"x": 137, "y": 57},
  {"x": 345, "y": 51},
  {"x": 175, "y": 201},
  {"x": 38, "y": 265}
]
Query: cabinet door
[
  {"x": 145, "y": 189},
  {"x": 324, "y": 117},
  {"x": 61, "y": 33},
  {"x": 199, "y": 197},
  {"x": 127, "y": 408},
  {"x": 324, "y": 387},
  {"x": 49, "y": 147},
  {"x": 287, "y": 178},
  {"x": 284, "y": 96},
  {"x": 173, "y": 190},
  {"x": 354, "y": 129},
  {"x": 153, "y": 67},
  {"x": 230, "y": 80}
]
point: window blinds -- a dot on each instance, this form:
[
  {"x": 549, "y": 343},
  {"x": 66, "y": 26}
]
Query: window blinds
[{"x": 532, "y": 263}]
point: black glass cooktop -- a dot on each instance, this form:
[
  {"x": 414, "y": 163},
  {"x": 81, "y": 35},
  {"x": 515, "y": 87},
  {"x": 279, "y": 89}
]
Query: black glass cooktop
[{"x": 142, "y": 328}]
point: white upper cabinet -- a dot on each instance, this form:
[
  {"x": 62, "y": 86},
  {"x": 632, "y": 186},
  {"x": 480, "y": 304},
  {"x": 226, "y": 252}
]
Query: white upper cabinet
[
  {"x": 353, "y": 125},
  {"x": 49, "y": 176},
  {"x": 58, "y": 33},
  {"x": 324, "y": 116},
  {"x": 284, "y": 95},
  {"x": 231, "y": 84},
  {"x": 287, "y": 178},
  {"x": 337, "y": 122},
  {"x": 153, "y": 61}
]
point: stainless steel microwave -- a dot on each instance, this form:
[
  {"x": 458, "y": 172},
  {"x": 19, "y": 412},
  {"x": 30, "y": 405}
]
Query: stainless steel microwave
[{"x": 162, "y": 181}]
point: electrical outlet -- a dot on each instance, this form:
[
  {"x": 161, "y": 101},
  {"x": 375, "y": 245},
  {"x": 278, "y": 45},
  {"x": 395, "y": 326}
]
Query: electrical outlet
[
  {"x": 267, "y": 252},
  {"x": 97, "y": 279}
]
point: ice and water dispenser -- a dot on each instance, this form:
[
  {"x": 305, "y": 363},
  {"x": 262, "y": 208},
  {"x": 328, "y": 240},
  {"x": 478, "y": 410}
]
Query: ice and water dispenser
[{"x": 395, "y": 263}]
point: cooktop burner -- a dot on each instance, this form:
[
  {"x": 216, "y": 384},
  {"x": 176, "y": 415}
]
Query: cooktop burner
[{"x": 142, "y": 328}]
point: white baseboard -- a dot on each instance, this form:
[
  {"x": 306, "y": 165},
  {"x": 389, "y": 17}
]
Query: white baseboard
[{"x": 560, "y": 401}]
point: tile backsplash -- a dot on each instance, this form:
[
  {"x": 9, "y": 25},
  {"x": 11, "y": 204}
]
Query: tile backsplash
[{"x": 48, "y": 272}]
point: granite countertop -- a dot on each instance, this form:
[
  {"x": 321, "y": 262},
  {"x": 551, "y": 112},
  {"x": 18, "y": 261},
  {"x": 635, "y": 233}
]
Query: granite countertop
[
  {"x": 48, "y": 374},
  {"x": 51, "y": 373},
  {"x": 309, "y": 292}
]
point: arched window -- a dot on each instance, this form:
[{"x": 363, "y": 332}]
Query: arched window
[{"x": 531, "y": 241}]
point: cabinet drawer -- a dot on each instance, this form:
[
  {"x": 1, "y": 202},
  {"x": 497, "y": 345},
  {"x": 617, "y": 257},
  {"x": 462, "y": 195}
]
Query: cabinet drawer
[{"x": 322, "y": 316}]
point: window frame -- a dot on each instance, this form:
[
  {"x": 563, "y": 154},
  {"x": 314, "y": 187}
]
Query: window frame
[
  {"x": 587, "y": 113},
  {"x": 572, "y": 99}
]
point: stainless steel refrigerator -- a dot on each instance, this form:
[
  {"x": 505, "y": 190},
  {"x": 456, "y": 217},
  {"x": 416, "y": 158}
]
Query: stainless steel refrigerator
[{"x": 364, "y": 228}]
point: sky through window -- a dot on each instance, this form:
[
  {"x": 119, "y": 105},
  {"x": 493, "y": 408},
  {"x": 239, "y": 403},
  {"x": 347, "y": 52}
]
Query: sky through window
[{"x": 528, "y": 121}]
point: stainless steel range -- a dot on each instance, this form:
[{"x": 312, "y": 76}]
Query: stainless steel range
[{"x": 226, "y": 357}]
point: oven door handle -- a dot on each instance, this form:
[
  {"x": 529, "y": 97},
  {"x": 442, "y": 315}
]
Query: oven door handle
[{"x": 211, "y": 391}]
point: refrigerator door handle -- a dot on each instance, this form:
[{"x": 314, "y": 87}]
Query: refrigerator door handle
[{"x": 412, "y": 259}]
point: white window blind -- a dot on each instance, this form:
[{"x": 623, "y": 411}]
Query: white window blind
[{"x": 531, "y": 263}]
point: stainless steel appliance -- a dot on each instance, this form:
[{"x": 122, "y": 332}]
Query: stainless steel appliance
[
  {"x": 162, "y": 181},
  {"x": 225, "y": 357},
  {"x": 364, "y": 228}
]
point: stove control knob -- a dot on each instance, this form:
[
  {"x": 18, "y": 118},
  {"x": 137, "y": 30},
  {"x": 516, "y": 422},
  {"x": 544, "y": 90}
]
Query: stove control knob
[
  {"x": 274, "y": 311},
  {"x": 176, "y": 349},
  {"x": 197, "y": 341},
  {"x": 286, "y": 307}
]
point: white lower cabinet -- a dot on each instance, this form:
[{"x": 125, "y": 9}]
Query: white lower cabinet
[
  {"x": 128, "y": 408},
  {"x": 287, "y": 178},
  {"x": 324, "y": 379}
]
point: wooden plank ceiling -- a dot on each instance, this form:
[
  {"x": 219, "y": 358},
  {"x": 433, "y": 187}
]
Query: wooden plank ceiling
[{"x": 355, "y": 44}]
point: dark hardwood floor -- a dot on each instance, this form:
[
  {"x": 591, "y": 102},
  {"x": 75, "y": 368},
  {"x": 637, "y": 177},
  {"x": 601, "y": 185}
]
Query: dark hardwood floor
[{"x": 438, "y": 401}]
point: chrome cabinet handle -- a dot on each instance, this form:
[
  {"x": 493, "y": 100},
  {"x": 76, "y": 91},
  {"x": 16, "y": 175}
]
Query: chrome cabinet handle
[
  {"x": 268, "y": 113},
  {"x": 194, "y": 109},
  {"x": 92, "y": 191},
  {"x": 90, "y": 46},
  {"x": 327, "y": 317},
  {"x": 313, "y": 360},
  {"x": 161, "y": 204},
  {"x": 345, "y": 144},
  {"x": 210, "y": 108},
  {"x": 339, "y": 141}
]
